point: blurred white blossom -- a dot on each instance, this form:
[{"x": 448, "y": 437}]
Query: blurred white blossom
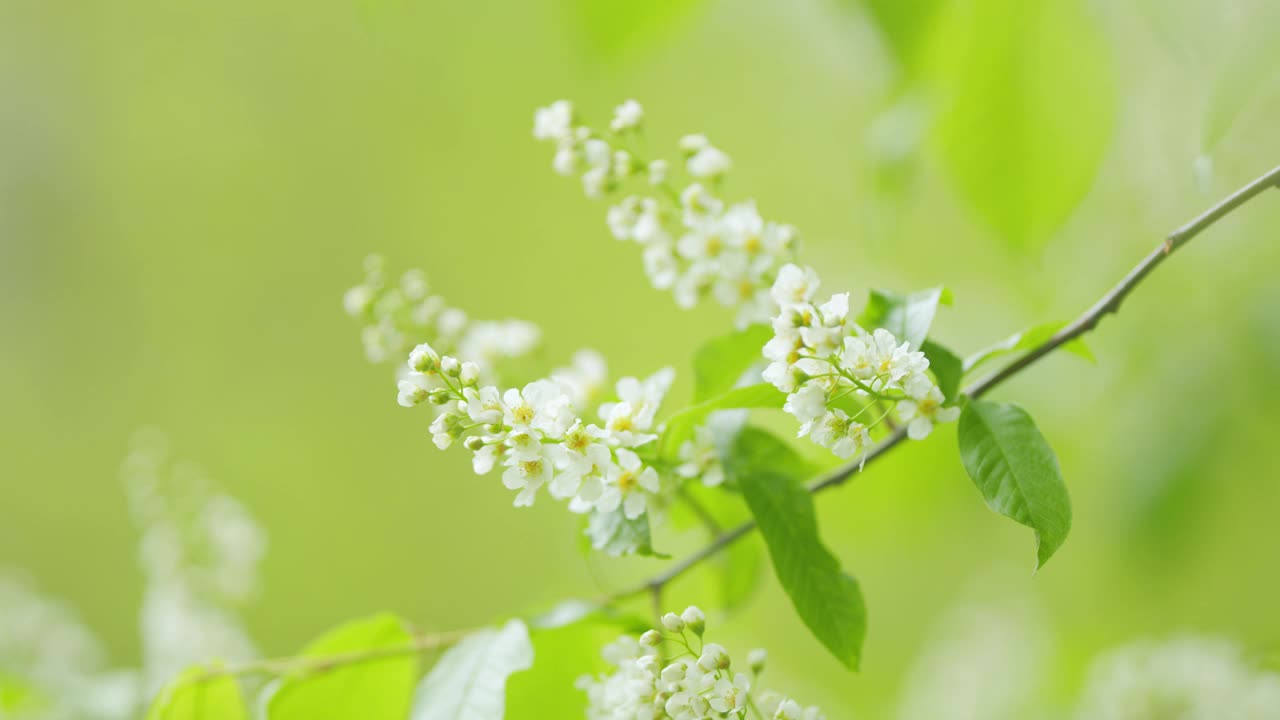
[
  {"x": 692, "y": 244},
  {"x": 1184, "y": 678},
  {"x": 699, "y": 681}
]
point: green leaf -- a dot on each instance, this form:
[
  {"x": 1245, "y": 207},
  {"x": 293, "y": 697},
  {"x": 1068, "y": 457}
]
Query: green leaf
[
  {"x": 718, "y": 365},
  {"x": 615, "y": 534},
  {"x": 908, "y": 317},
  {"x": 563, "y": 655},
  {"x": 376, "y": 688},
  {"x": 195, "y": 695},
  {"x": 615, "y": 27},
  {"x": 947, "y": 367},
  {"x": 1026, "y": 340},
  {"x": 904, "y": 24},
  {"x": 1026, "y": 101},
  {"x": 469, "y": 682},
  {"x": 680, "y": 426},
  {"x": 826, "y": 599},
  {"x": 1016, "y": 471}
]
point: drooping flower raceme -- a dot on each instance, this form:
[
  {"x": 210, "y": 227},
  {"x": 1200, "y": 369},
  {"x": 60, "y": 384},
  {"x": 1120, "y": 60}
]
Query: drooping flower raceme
[
  {"x": 693, "y": 244},
  {"x": 398, "y": 315},
  {"x": 698, "y": 681},
  {"x": 841, "y": 380},
  {"x": 539, "y": 438}
]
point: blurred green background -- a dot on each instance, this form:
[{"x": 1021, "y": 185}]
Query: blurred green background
[{"x": 187, "y": 188}]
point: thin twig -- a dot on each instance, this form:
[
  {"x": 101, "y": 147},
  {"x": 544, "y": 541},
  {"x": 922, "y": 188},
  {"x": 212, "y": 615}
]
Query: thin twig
[
  {"x": 1109, "y": 303},
  {"x": 307, "y": 664}
]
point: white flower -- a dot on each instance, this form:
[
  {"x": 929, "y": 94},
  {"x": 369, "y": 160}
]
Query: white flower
[
  {"x": 708, "y": 163},
  {"x": 690, "y": 144},
  {"x": 628, "y": 483},
  {"x": 584, "y": 379},
  {"x": 700, "y": 458},
  {"x": 527, "y": 475},
  {"x": 639, "y": 401},
  {"x": 484, "y": 405},
  {"x": 540, "y": 406},
  {"x": 358, "y": 300},
  {"x": 794, "y": 285},
  {"x": 627, "y": 116},
  {"x": 554, "y": 122},
  {"x": 921, "y": 415},
  {"x": 841, "y": 435},
  {"x": 411, "y": 393},
  {"x": 657, "y": 172},
  {"x": 807, "y": 404},
  {"x": 731, "y": 696}
]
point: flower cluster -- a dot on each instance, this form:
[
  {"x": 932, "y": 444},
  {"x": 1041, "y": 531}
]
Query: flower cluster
[
  {"x": 700, "y": 681},
  {"x": 539, "y": 437},
  {"x": 693, "y": 244},
  {"x": 840, "y": 379},
  {"x": 397, "y": 315}
]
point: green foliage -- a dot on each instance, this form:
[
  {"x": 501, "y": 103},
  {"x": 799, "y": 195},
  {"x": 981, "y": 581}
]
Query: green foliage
[
  {"x": 720, "y": 363},
  {"x": 1026, "y": 340},
  {"x": 616, "y": 534},
  {"x": 373, "y": 688},
  {"x": 563, "y": 655},
  {"x": 947, "y": 367},
  {"x": 1026, "y": 104},
  {"x": 195, "y": 695},
  {"x": 680, "y": 426},
  {"x": 1016, "y": 471},
  {"x": 826, "y": 599},
  {"x": 904, "y": 25},
  {"x": 908, "y": 317},
  {"x": 469, "y": 681},
  {"x": 614, "y": 26}
]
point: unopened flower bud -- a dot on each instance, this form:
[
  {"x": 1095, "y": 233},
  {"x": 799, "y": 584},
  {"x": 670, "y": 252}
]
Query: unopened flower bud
[
  {"x": 450, "y": 366},
  {"x": 756, "y": 660},
  {"x": 672, "y": 622},
  {"x": 470, "y": 374},
  {"x": 714, "y": 657},
  {"x": 652, "y": 638},
  {"x": 475, "y": 443},
  {"x": 424, "y": 359},
  {"x": 693, "y": 617},
  {"x": 411, "y": 393},
  {"x": 439, "y": 396}
]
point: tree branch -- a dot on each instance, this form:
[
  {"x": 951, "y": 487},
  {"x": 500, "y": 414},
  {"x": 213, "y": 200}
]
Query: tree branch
[
  {"x": 322, "y": 663},
  {"x": 1107, "y": 304}
]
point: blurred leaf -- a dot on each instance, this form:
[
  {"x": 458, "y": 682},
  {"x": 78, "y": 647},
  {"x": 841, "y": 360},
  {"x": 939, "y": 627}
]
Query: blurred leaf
[
  {"x": 680, "y": 426},
  {"x": 905, "y": 25},
  {"x": 613, "y": 26},
  {"x": 1016, "y": 471},
  {"x": 372, "y": 689},
  {"x": 1026, "y": 106},
  {"x": 947, "y": 367},
  {"x": 719, "y": 364},
  {"x": 563, "y": 655},
  {"x": 908, "y": 317},
  {"x": 1026, "y": 340},
  {"x": 469, "y": 681},
  {"x": 826, "y": 599},
  {"x": 194, "y": 696},
  {"x": 615, "y": 534}
]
